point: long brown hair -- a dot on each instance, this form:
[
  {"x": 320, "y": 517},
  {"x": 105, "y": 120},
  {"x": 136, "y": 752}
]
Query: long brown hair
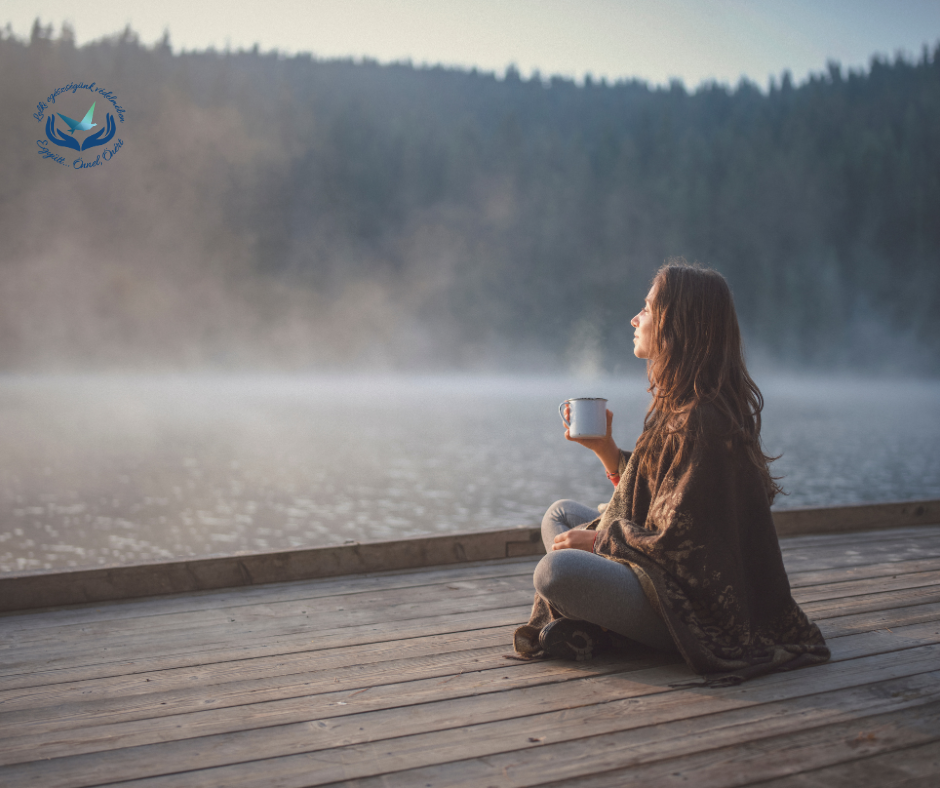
[{"x": 697, "y": 357}]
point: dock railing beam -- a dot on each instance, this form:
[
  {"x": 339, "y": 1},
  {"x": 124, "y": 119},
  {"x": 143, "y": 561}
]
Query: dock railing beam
[{"x": 53, "y": 588}]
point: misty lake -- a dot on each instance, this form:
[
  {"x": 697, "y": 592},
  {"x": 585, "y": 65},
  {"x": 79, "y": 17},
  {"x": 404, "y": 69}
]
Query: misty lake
[{"x": 107, "y": 470}]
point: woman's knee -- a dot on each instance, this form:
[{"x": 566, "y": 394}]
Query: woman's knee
[
  {"x": 554, "y": 523},
  {"x": 555, "y": 575},
  {"x": 567, "y": 513},
  {"x": 556, "y": 512}
]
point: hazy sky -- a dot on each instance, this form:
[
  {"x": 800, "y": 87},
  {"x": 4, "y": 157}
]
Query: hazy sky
[{"x": 694, "y": 40}]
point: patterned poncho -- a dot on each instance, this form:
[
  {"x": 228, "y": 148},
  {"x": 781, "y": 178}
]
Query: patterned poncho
[{"x": 701, "y": 539}]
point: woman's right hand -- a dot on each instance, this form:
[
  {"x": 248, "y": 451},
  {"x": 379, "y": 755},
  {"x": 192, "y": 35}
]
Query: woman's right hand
[{"x": 605, "y": 448}]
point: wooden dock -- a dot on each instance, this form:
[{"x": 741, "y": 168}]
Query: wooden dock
[{"x": 400, "y": 679}]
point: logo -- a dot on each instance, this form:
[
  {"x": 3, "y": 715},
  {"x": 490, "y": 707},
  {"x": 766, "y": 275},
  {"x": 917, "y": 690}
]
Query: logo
[{"x": 77, "y": 136}]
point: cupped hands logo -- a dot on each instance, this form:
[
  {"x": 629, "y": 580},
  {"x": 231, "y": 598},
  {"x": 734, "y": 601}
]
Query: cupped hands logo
[
  {"x": 66, "y": 140},
  {"x": 64, "y": 137}
]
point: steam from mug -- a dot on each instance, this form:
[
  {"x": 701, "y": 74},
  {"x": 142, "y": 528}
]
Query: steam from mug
[{"x": 588, "y": 417}]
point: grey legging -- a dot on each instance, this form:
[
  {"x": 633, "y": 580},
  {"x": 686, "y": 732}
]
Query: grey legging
[{"x": 589, "y": 587}]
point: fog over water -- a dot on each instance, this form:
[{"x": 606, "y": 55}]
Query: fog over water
[
  {"x": 101, "y": 470},
  {"x": 270, "y": 216}
]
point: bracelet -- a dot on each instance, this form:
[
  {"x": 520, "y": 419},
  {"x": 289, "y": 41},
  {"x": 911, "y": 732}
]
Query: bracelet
[{"x": 613, "y": 475}]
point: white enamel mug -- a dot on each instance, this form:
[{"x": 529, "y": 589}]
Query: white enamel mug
[{"x": 588, "y": 417}]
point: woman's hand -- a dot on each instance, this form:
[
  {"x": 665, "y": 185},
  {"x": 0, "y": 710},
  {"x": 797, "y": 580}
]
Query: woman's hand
[
  {"x": 605, "y": 448},
  {"x": 575, "y": 540}
]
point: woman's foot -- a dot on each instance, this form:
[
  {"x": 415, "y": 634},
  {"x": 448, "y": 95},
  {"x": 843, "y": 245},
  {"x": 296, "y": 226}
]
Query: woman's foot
[{"x": 566, "y": 638}]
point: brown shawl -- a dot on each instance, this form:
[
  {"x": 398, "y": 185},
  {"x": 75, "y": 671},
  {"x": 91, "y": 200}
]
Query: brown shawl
[{"x": 701, "y": 539}]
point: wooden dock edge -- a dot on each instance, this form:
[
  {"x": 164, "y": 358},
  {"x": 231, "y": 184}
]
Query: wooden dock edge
[
  {"x": 863, "y": 517},
  {"x": 29, "y": 590}
]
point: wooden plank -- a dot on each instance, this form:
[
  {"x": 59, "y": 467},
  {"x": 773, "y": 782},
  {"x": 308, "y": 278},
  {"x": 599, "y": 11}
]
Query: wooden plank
[
  {"x": 106, "y": 707},
  {"x": 345, "y": 607},
  {"x": 315, "y": 589},
  {"x": 152, "y": 606},
  {"x": 113, "y": 656},
  {"x": 657, "y": 718},
  {"x": 298, "y": 590},
  {"x": 25, "y": 590},
  {"x": 878, "y": 584},
  {"x": 123, "y": 681},
  {"x": 301, "y": 590},
  {"x": 290, "y": 720},
  {"x": 884, "y": 569},
  {"x": 911, "y": 767},
  {"x": 250, "y": 714},
  {"x": 348, "y": 606},
  {"x": 809, "y": 558},
  {"x": 774, "y": 756},
  {"x": 923, "y": 535},
  {"x": 864, "y": 517},
  {"x": 266, "y": 671},
  {"x": 48, "y": 669},
  {"x": 446, "y": 754},
  {"x": 854, "y": 623},
  {"x": 254, "y": 675},
  {"x": 404, "y": 677},
  {"x": 58, "y": 637},
  {"x": 881, "y": 579},
  {"x": 90, "y": 643},
  {"x": 363, "y": 636},
  {"x": 238, "y": 729},
  {"x": 262, "y": 624},
  {"x": 266, "y": 678},
  {"x": 398, "y": 756},
  {"x": 868, "y": 603},
  {"x": 170, "y": 634},
  {"x": 305, "y": 590},
  {"x": 849, "y": 538}
]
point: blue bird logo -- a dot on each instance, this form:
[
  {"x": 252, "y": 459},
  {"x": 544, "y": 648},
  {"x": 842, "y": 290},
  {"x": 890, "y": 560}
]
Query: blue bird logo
[
  {"x": 80, "y": 125},
  {"x": 65, "y": 140}
]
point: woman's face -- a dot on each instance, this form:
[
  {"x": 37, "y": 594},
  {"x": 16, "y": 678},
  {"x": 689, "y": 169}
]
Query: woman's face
[{"x": 643, "y": 329}]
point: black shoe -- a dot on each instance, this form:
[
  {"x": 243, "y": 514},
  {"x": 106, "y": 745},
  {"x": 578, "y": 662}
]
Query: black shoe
[{"x": 566, "y": 638}]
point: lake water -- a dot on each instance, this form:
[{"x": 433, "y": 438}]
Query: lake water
[{"x": 108, "y": 470}]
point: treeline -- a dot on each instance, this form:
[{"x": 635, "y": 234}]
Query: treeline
[{"x": 289, "y": 211}]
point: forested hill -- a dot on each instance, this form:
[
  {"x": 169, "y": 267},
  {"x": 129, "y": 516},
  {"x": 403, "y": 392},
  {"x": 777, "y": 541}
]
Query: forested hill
[{"x": 289, "y": 211}]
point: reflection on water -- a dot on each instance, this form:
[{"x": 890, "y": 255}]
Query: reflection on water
[{"x": 99, "y": 471}]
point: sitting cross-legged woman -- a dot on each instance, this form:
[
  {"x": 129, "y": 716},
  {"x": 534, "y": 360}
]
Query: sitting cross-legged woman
[{"x": 685, "y": 556}]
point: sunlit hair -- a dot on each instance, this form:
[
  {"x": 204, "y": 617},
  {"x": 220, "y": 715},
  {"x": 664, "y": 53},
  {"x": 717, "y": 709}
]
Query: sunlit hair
[{"x": 697, "y": 358}]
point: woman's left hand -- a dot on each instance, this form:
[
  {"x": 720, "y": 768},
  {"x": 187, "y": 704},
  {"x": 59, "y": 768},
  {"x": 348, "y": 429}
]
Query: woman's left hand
[{"x": 575, "y": 540}]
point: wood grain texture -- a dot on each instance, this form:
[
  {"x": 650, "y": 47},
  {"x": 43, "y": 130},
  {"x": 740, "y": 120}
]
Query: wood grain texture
[
  {"x": 854, "y": 519},
  {"x": 28, "y": 590},
  {"x": 911, "y": 767},
  {"x": 298, "y": 590},
  {"x": 21, "y": 591},
  {"x": 103, "y": 722},
  {"x": 645, "y": 729},
  {"x": 399, "y": 678},
  {"x": 255, "y": 627},
  {"x": 40, "y": 671},
  {"x": 576, "y": 701}
]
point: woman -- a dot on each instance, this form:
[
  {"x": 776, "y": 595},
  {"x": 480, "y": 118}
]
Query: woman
[{"x": 685, "y": 556}]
